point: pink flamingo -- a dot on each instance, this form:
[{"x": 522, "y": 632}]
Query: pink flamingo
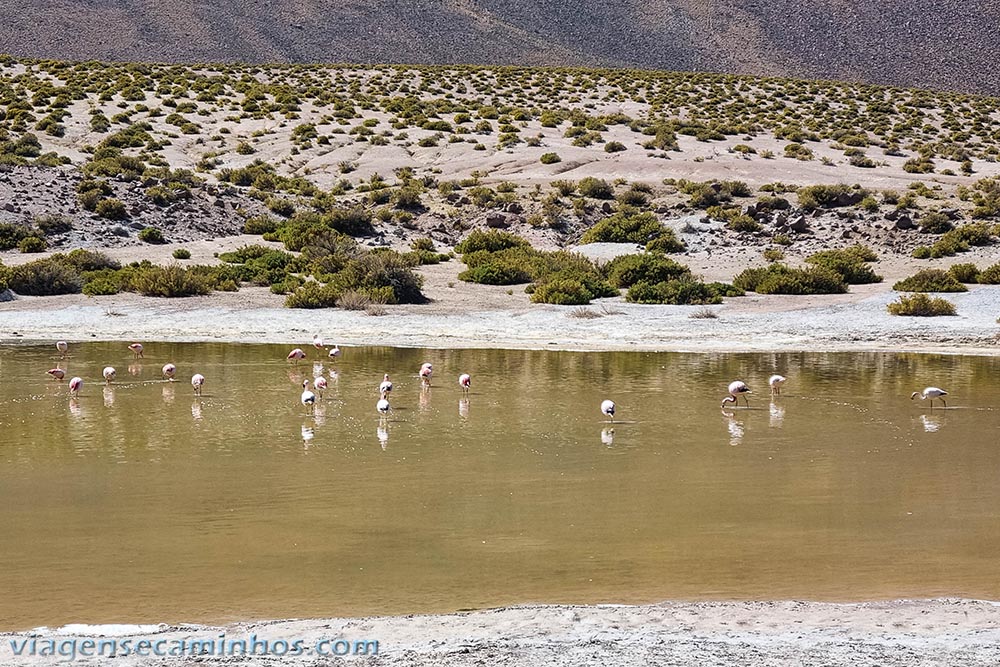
[
  {"x": 308, "y": 398},
  {"x": 296, "y": 354},
  {"x": 320, "y": 384},
  {"x": 465, "y": 381},
  {"x": 75, "y": 385},
  {"x": 109, "y": 374},
  {"x": 197, "y": 380},
  {"x": 426, "y": 371},
  {"x": 62, "y": 346},
  {"x": 318, "y": 344},
  {"x": 385, "y": 388},
  {"x": 169, "y": 371},
  {"x": 136, "y": 350},
  {"x": 56, "y": 373},
  {"x": 334, "y": 351},
  {"x": 737, "y": 388}
]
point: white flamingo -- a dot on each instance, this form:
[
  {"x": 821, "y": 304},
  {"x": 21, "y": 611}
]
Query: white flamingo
[
  {"x": 385, "y": 388},
  {"x": 169, "y": 371},
  {"x": 308, "y": 398},
  {"x": 75, "y": 385},
  {"x": 296, "y": 354},
  {"x": 334, "y": 351},
  {"x": 56, "y": 373},
  {"x": 383, "y": 406},
  {"x": 136, "y": 350},
  {"x": 776, "y": 381},
  {"x": 608, "y": 409},
  {"x": 318, "y": 344},
  {"x": 931, "y": 393},
  {"x": 737, "y": 388},
  {"x": 62, "y": 346},
  {"x": 320, "y": 384},
  {"x": 197, "y": 381},
  {"x": 109, "y": 374},
  {"x": 465, "y": 382}
]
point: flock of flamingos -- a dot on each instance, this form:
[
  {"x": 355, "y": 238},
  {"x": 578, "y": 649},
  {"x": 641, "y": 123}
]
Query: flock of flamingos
[{"x": 737, "y": 388}]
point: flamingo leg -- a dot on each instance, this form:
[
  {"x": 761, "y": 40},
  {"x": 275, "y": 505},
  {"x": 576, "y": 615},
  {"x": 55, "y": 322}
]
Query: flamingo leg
[{"x": 943, "y": 403}]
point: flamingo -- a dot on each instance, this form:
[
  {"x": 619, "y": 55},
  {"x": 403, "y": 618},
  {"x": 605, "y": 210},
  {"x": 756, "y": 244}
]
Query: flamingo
[
  {"x": 320, "y": 384},
  {"x": 56, "y": 373},
  {"x": 62, "y": 346},
  {"x": 169, "y": 371},
  {"x": 318, "y": 343},
  {"x": 382, "y": 406},
  {"x": 136, "y": 350},
  {"x": 465, "y": 381},
  {"x": 75, "y": 385},
  {"x": 425, "y": 373},
  {"x": 335, "y": 351},
  {"x": 931, "y": 393},
  {"x": 197, "y": 380},
  {"x": 737, "y": 388},
  {"x": 386, "y": 387},
  {"x": 296, "y": 354},
  {"x": 308, "y": 398},
  {"x": 608, "y": 409},
  {"x": 776, "y": 381},
  {"x": 109, "y": 374}
]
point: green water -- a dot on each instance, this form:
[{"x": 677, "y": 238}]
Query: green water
[{"x": 140, "y": 502}]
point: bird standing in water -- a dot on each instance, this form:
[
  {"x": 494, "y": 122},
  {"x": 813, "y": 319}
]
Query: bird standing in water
[
  {"x": 109, "y": 374},
  {"x": 136, "y": 350},
  {"x": 608, "y": 409},
  {"x": 385, "y": 388},
  {"x": 296, "y": 354},
  {"x": 197, "y": 380},
  {"x": 75, "y": 385},
  {"x": 56, "y": 373},
  {"x": 737, "y": 388},
  {"x": 308, "y": 398},
  {"x": 931, "y": 393},
  {"x": 62, "y": 346},
  {"x": 426, "y": 371},
  {"x": 465, "y": 382},
  {"x": 776, "y": 381}
]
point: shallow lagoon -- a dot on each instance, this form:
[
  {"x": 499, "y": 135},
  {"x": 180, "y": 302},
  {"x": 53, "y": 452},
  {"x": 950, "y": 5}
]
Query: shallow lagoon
[{"x": 140, "y": 502}]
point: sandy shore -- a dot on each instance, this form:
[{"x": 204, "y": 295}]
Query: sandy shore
[{"x": 906, "y": 633}]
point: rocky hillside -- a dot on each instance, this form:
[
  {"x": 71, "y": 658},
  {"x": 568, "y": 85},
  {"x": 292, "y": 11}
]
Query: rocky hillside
[{"x": 913, "y": 43}]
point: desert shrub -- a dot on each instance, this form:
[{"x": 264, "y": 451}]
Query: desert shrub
[
  {"x": 627, "y": 270},
  {"x": 628, "y": 226},
  {"x": 495, "y": 274},
  {"x": 849, "y": 263},
  {"x": 743, "y": 223},
  {"x": 45, "y": 277},
  {"x": 679, "y": 291},
  {"x": 312, "y": 294},
  {"x": 491, "y": 240},
  {"x": 614, "y": 147},
  {"x": 87, "y": 260},
  {"x": 934, "y": 223},
  {"x": 564, "y": 292},
  {"x": 261, "y": 224},
  {"x": 666, "y": 243},
  {"x": 781, "y": 279},
  {"x": 774, "y": 254},
  {"x": 151, "y": 235},
  {"x": 725, "y": 289},
  {"x": 51, "y": 223},
  {"x": 921, "y": 305},
  {"x": 964, "y": 273},
  {"x": 111, "y": 208},
  {"x": 812, "y": 197},
  {"x": 102, "y": 283},
  {"x": 712, "y": 193},
  {"x": 595, "y": 188},
  {"x": 11, "y": 234},
  {"x": 31, "y": 244},
  {"x": 930, "y": 280},
  {"x": 385, "y": 276},
  {"x": 168, "y": 281},
  {"x": 956, "y": 241},
  {"x": 281, "y": 206},
  {"x": 990, "y": 275},
  {"x": 921, "y": 165},
  {"x": 550, "y": 158},
  {"x": 407, "y": 197},
  {"x": 181, "y": 253},
  {"x": 563, "y": 187}
]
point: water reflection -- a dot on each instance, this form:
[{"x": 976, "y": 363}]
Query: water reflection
[
  {"x": 735, "y": 427},
  {"x": 382, "y": 433},
  {"x": 777, "y": 415},
  {"x": 931, "y": 423},
  {"x": 308, "y": 433},
  {"x": 109, "y": 396},
  {"x": 463, "y": 408},
  {"x": 168, "y": 392},
  {"x": 196, "y": 409},
  {"x": 608, "y": 436}
]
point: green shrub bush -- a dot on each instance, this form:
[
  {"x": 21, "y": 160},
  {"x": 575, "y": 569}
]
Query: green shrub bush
[
  {"x": 782, "y": 279},
  {"x": 679, "y": 292},
  {"x": 595, "y": 188},
  {"x": 181, "y": 253},
  {"x": 849, "y": 263},
  {"x": 921, "y": 305},
  {"x": 45, "y": 277},
  {"x": 151, "y": 235},
  {"x": 930, "y": 280},
  {"x": 627, "y": 226},
  {"x": 550, "y": 158},
  {"x": 312, "y": 294},
  {"x": 934, "y": 223},
  {"x": 168, "y": 281},
  {"x": 666, "y": 243},
  {"x": 966, "y": 274},
  {"x": 990, "y": 275},
  {"x": 564, "y": 292},
  {"x": 491, "y": 240},
  {"x": 627, "y": 270},
  {"x": 31, "y": 244}
]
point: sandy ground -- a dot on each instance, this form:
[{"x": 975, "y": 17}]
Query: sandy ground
[
  {"x": 905, "y": 633},
  {"x": 462, "y": 315}
]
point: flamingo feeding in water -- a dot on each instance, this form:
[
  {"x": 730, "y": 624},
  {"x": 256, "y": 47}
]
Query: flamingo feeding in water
[
  {"x": 109, "y": 374},
  {"x": 776, "y": 381},
  {"x": 465, "y": 381},
  {"x": 169, "y": 371},
  {"x": 62, "y": 346},
  {"x": 320, "y": 384},
  {"x": 318, "y": 343},
  {"x": 296, "y": 354},
  {"x": 334, "y": 351},
  {"x": 608, "y": 409},
  {"x": 75, "y": 385},
  {"x": 426, "y": 371},
  {"x": 386, "y": 387},
  {"x": 737, "y": 388},
  {"x": 931, "y": 393},
  {"x": 383, "y": 406},
  {"x": 136, "y": 350},
  {"x": 197, "y": 380},
  {"x": 308, "y": 398},
  {"x": 56, "y": 373}
]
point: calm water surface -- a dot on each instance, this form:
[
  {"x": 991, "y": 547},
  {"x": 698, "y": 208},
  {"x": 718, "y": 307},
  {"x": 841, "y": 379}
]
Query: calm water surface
[{"x": 141, "y": 503}]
